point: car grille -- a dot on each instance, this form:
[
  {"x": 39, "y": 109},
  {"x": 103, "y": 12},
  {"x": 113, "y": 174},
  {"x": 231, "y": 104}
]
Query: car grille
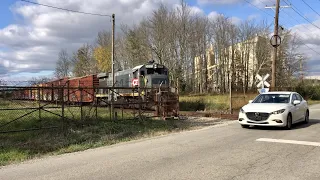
[
  {"x": 256, "y": 116},
  {"x": 256, "y": 122}
]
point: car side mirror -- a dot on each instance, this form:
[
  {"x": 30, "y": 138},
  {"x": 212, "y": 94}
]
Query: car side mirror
[
  {"x": 296, "y": 102},
  {"x": 250, "y": 101}
]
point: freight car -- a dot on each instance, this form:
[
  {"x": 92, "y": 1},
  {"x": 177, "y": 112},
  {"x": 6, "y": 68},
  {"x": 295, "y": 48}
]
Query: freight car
[{"x": 78, "y": 89}]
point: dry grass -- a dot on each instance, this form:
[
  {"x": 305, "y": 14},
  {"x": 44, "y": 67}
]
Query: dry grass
[
  {"x": 213, "y": 102},
  {"x": 312, "y": 102},
  {"x": 16, "y": 147}
]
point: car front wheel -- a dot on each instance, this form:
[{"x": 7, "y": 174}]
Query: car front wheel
[
  {"x": 245, "y": 126},
  {"x": 306, "y": 117},
  {"x": 289, "y": 122}
]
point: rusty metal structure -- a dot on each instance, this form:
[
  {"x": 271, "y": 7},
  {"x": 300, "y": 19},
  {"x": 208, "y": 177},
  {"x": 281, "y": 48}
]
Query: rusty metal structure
[{"x": 45, "y": 106}]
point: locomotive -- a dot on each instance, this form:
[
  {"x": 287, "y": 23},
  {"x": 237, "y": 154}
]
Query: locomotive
[{"x": 150, "y": 75}]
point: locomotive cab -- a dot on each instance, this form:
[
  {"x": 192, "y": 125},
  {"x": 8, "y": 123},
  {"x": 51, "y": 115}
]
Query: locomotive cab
[{"x": 156, "y": 75}]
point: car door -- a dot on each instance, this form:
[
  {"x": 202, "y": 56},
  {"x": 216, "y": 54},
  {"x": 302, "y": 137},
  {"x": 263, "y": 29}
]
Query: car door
[
  {"x": 294, "y": 109},
  {"x": 299, "y": 108},
  {"x": 303, "y": 106}
]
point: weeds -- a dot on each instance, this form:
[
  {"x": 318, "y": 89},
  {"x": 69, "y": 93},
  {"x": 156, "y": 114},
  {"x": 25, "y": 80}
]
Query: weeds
[
  {"x": 213, "y": 102},
  {"x": 21, "y": 146}
]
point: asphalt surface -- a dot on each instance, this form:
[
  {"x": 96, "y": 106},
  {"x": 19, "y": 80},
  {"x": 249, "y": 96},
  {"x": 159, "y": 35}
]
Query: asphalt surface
[{"x": 219, "y": 152}]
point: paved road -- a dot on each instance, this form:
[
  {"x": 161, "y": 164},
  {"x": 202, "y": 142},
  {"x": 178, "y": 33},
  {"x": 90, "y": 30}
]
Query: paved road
[{"x": 224, "y": 152}]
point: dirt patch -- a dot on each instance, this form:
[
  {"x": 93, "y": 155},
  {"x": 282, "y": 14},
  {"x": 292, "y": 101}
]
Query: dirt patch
[{"x": 196, "y": 122}]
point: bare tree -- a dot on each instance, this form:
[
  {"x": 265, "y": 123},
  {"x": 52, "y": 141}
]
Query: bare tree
[
  {"x": 2, "y": 82},
  {"x": 104, "y": 38},
  {"x": 83, "y": 61},
  {"x": 290, "y": 60},
  {"x": 63, "y": 65}
]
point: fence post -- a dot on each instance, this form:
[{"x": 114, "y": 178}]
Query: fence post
[
  {"x": 157, "y": 103},
  {"x": 109, "y": 103},
  {"x": 96, "y": 104},
  {"x": 39, "y": 106},
  {"x": 81, "y": 113},
  {"x": 122, "y": 112},
  {"x": 134, "y": 104},
  {"x": 139, "y": 101},
  {"x": 62, "y": 111},
  {"x": 52, "y": 93},
  {"x": 68, "y": 89}
]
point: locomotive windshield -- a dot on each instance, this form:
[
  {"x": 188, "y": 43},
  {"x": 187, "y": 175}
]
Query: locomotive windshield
[{"x": 157, "y": 71}]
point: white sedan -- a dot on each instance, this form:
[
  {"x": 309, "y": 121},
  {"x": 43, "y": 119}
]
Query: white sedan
[{"x": 275, "y": 109}]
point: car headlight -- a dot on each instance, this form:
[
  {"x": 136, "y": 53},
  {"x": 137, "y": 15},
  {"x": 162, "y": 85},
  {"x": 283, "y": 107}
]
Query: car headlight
[
  {"x": 279, "y": 111},
  {"x": 241, "y": 110}
]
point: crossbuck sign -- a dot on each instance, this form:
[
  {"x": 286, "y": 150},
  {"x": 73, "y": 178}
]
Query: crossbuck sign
[{"x": 263, "y": 83}]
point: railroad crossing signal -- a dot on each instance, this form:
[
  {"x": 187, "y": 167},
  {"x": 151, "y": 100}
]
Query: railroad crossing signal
[{"x": 263, "y": 83}]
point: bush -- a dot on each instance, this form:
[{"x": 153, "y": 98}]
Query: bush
[
  {"x": 192, "y": 106},
  {"x": 203, "y": 102},
  {"x": 309, "y": 92}
]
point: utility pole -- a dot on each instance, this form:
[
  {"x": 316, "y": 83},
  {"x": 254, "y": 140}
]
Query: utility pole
[
  {"x": 112, "y": 68},
  {"x": 230, "y": 90},
  {"x": 275, "y": 49}
]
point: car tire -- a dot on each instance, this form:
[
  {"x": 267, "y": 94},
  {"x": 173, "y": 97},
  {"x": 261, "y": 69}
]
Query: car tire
[
  {"x": 306, "y": 117},
  {"x": 289, "y": 122},
  {"x": 245, "y": 126}
]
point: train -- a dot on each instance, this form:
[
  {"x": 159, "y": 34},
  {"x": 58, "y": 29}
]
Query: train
[{"x": 89, "y": 88}]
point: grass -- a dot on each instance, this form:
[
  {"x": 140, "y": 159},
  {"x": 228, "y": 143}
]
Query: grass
[
  {"x": 77, "y": 134},
  {"x": 312, "y": 102},
  {"x": 16, "y": 147},
  {"x": 213, "y": 102}
]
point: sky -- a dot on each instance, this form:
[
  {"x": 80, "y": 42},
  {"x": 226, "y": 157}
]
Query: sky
[{"x": 31, "y": 35}]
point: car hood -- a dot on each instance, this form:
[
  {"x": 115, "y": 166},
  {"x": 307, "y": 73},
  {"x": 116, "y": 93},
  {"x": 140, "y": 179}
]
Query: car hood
[{"x": 264, "y": 107}]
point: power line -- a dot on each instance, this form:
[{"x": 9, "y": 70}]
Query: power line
[
  {"x": 292, "y": 24},
  {"x": 285, "y": 27},
  {"x": 304, "y": 33},
  {"x": 258, "y": 8},
  {"x": 311, "y": 7},
  {"x": 295, "y": 10},
  {"x": 310, "y": 48},
  {"x": 54, "y": 7},
  {"x": 297, "y": 21}
]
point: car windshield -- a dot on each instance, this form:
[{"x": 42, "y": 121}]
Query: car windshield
[{"x": 272, "y": 98}]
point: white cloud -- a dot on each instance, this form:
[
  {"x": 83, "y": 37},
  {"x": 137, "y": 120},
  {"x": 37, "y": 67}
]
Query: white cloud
[
  {"x": 194, "y": 10},
  {"x": 253, "y": 17},
  {"x": 263, "y": 3},
  {"x": 236, "y": 20},
  {"x": 32, "y": 45},
  {"x": 310, "y": 36},
  {"x": 218, "y": 1},
  {"x": 259, "y": 3},
  {"x": 213, "y": 15}
]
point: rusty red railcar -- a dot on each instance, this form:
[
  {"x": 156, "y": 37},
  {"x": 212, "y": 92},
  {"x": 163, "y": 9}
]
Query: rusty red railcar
[{"x": 81, "y": 89}]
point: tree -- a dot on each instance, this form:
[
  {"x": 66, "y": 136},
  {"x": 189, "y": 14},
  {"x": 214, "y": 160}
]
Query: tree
[
  {"x": 63, "y": 65},
  {"x": 3, "y": 82},
  {"x": 136, "y": 47},
  {"x": 102, "y": 51},
  {"x": 104, "y": 38},
  {"x": 103, "y": 57},
  {"x": 39, "y": 80},
  {"x": 83, "y": 61}
]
